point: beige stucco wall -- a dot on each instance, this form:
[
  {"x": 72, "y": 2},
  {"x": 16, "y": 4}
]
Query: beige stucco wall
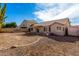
[
  {"x": 60, "y": 32},
  {"x": 73, "y": 31},
  {"x": 41, "y": 29},
  {"x": 57, "y": 32},
  {"x": 53, "y": 29}
]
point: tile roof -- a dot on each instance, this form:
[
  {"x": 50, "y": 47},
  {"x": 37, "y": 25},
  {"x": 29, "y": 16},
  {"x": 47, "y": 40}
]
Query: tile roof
[{"x": 62, "y": 21}]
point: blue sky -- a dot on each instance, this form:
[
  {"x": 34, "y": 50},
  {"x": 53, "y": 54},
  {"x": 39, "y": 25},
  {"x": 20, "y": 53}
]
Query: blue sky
[{"x": 17, "y": 12}]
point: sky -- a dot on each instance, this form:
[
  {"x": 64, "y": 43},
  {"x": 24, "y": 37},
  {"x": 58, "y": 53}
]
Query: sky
[{"x": 17, "y": 12}]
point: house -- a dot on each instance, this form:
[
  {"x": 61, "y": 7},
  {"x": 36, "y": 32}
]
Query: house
[
  {"x": 73, "y": 30},
  {"x": 26, "y": 25},
  {"x": 57, "y": 27}
]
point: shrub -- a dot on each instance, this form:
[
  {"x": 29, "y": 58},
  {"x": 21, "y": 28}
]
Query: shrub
[{"x": 10, "y": 25}]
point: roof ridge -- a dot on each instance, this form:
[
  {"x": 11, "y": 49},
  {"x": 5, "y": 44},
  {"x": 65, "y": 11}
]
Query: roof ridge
[{"x": 56, "y": 20}]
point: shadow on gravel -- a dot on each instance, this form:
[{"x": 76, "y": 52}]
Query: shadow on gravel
[
  {"x": 65, "y": 38},
  {"x": 72, "y": 39},
  {"x": 31, "y": 34},
  {"x": 21, "y": 34},
  {"x": 27, "y": 34}
]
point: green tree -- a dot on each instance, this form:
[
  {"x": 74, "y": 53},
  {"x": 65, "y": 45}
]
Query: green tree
[
  {"x": 2, "y": 14},
  {"x": 13, "y": 24},
  {"x": 10, "y": 25}
]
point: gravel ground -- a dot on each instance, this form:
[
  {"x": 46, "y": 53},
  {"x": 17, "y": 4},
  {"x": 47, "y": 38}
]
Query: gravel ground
[
  {"x": 46, "y": 46},
  {"x": 8, "y": 40}
]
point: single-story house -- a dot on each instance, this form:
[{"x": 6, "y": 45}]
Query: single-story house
[
  {"x": 26, "y": 25},
  {"x": 57, "y": 27}
]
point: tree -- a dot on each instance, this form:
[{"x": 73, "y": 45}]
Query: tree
[
  {"x": 10, "y": 25},
  {"x": 2, "y": 14},
  {"x": 13, "y": 24}
]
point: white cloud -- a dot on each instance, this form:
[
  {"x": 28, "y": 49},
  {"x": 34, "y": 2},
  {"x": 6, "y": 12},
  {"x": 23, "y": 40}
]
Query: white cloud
[
  {"x": 47, "y": 12},
  {"x": 68, "y": 13}
]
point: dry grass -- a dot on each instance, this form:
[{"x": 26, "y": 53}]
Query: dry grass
[
  {"x": 7, "y": 30},
  {"x": 54, "y": 46}
]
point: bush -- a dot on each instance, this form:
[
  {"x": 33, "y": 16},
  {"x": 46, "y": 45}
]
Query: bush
[{"x": 10, "y": 25}]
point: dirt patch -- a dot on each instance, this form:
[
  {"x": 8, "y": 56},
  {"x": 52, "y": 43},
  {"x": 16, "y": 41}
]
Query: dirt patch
[
  {"x": 8, "y": 40},
  {"x": 45, "y": 47}
]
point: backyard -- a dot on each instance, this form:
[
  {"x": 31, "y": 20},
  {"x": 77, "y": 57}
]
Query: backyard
[
  {"x": 19, "y": 44},
  {"x": 7, "y": 40}
]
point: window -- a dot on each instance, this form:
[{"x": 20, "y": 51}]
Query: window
[
  {"x": 58, "y": 28},
  {"x": 63, "y": 28}
]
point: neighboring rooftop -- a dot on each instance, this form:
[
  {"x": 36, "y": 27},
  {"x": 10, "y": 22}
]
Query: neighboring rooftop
[{"x": 28, "y": 21}]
